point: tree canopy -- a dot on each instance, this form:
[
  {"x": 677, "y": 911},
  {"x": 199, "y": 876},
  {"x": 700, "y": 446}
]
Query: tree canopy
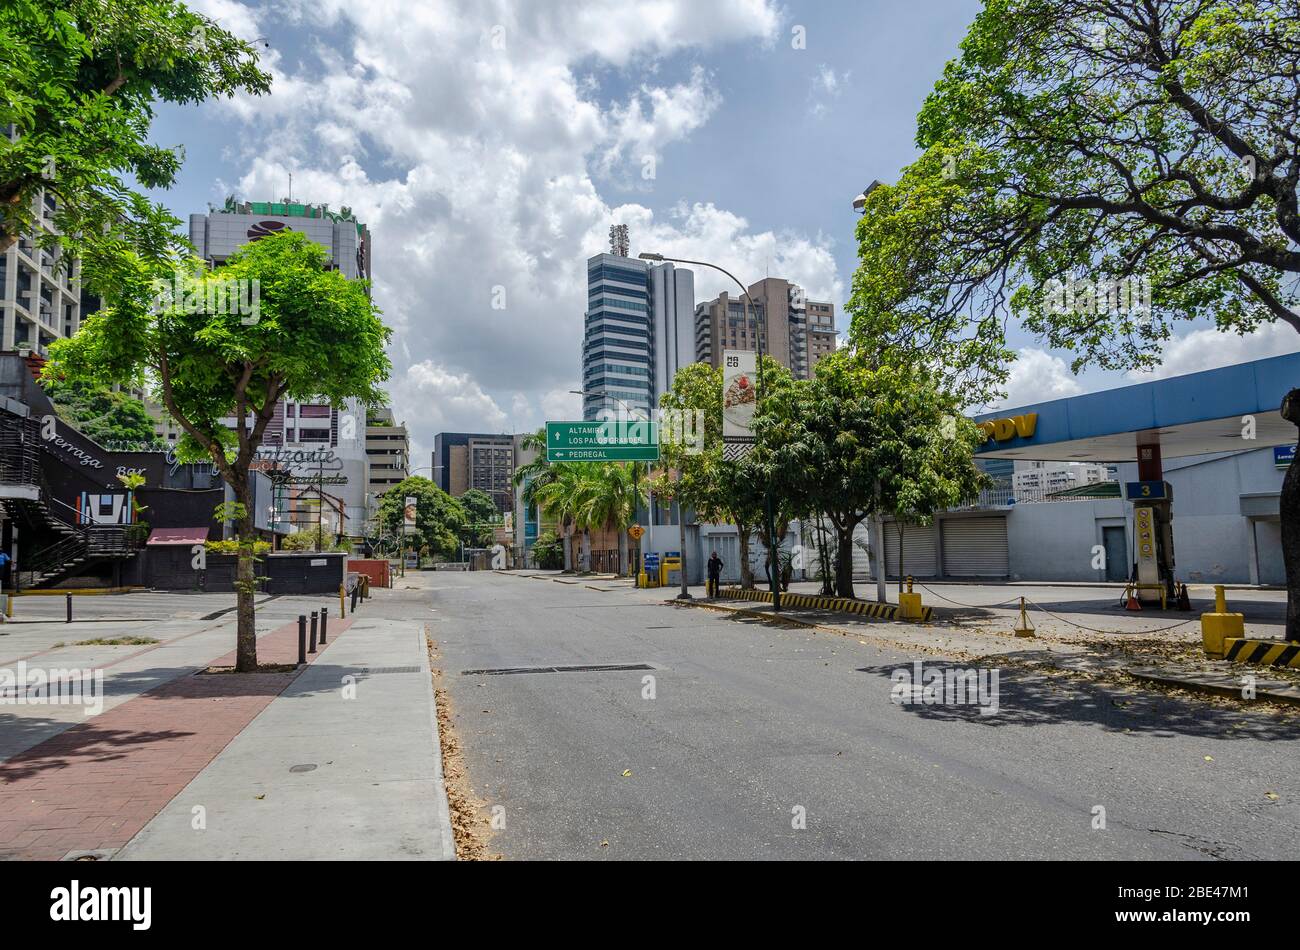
[
  {"x": 79, "y": 80},
  {"x": 1100, "y": 169}
]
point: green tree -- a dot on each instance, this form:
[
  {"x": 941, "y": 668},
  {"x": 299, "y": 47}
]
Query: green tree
[
  {"x": 548, "y": 551},
  {"x": 317, "y": 335},
  {"x": 718, "y": 489},
  {"x": 609, "y": 497},
  {"x": 1097, "y": 141},
  {"x": 560, "y": 497},
  {"x": 440, "y": 519},
  {"x": 858, "y": 439},
  {"x": 1084, "y": 153},
  {"x": 100, "y": 413},
  {"x": 79, "y": 80},
  {"x": 480, "y": 512}
]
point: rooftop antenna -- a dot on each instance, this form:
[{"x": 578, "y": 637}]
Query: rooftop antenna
[{"x": 618, "y": 240}]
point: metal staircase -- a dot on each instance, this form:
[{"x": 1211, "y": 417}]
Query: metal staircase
[{"x": 27, "y": 499}]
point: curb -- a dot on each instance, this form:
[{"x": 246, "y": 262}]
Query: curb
[
  {"x": 77, "y": 591},
  {"x": 816, "y": 601},
  {"x": 1214, "y": 689},
  {"x": 1263, "y": 652}
]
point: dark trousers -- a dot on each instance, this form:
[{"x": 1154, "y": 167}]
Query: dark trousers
[{"x": 711, "y": 589}]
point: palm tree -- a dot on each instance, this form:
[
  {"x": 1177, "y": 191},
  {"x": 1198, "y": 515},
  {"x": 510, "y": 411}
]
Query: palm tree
[
  {"x": 609, "y": 496},
  {"x": 559, "y": 495}
]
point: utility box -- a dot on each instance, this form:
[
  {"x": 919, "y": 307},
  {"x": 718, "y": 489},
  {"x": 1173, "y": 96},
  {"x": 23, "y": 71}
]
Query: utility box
[{"x": 670, "y": 573}]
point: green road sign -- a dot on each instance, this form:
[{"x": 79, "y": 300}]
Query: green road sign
[{"x": 615, "y": 441}]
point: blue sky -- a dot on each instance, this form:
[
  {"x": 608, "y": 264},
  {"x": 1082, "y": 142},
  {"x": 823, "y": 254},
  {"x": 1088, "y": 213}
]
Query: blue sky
[{"x": 489, "y": 144}]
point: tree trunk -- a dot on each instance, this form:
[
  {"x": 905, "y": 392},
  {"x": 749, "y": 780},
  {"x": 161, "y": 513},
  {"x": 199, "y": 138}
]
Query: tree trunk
[
  {"x": 567, "y": 534},
  {"x": 245, "y": 582},
  {"x": 743, "y": 532},
  {"x": 901, "y": 567},
  {"x": 622, "y": 552},
  {"x": 1289, "y": 511},
  {"x": 844, "y": 561}
]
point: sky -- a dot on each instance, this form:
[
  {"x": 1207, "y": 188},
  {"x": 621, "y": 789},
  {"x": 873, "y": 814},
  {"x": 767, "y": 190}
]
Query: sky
[{"x": 489, "y": 145}]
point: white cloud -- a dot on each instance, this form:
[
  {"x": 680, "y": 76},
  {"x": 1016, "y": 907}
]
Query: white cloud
[
  {"x": 827, "y": 84},
  {"x": 1038, "y": 376},
  {"x": 467, "y": 140},
  {"x": 1206, "y": 349}
]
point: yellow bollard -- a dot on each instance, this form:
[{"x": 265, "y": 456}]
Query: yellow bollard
[
  {"x": 1220, "y": 625},
  {"x": 1024, "y": 628},
  {"x": 909, "y": 604}
]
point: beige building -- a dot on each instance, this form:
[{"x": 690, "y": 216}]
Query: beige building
[
  {"x": 793, "y": 330},
  {"x": 388, "y": 451}
]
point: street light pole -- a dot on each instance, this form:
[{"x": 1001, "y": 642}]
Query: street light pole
[
  {"x": 773, "y": 570},
  {"x": 877, "y": 521}
]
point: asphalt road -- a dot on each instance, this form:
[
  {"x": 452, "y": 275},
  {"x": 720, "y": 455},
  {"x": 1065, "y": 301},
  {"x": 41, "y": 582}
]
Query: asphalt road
[{"x": 752, "y": 726}]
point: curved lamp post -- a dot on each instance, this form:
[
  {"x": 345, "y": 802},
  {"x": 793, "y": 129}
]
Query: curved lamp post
[{"x": 773, "y": 569}]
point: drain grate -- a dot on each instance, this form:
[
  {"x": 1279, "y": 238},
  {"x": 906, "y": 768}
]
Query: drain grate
[
  {"x": 587, "y": 668},
  {"x": 389, "y": 669}
]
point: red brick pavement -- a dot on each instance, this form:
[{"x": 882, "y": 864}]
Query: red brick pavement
[{"x": 95, "y": 785}]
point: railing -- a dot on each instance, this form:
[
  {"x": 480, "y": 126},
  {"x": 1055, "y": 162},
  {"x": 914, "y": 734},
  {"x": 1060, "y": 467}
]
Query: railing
[
  {"x": 54, "y": 556},
  {"x": 1005, "y": 497},
  {"x": 19, "y": 453}
]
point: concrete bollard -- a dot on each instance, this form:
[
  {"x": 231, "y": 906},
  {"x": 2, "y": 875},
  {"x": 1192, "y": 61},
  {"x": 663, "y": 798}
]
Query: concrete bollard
[
  {"x": 1220, "y": 625},
  {"x": 324, "y": 614},
  {"x": 909, "y": 604},
  {"x": 311, "y": 646},
  {"x": 302, "y": 639}
]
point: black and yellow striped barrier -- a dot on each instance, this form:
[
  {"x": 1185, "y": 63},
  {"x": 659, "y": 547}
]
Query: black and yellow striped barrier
[
  {"x": 817, "y": 601},
  {"x": 1263, "y": 652}
]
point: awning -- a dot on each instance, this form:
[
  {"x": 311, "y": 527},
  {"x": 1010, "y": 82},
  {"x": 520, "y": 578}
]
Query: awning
[{"x": 177, "y": 536}]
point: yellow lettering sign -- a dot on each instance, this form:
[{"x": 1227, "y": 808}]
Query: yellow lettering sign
[{"x": 1001, "y": 430}]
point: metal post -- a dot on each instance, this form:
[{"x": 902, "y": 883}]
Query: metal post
[
  {"x": 324, "y": 615},
  {"x": 302, "y": 639},
  {"x": 311, "y": 644},
  {"x": 69, "y": 620}
]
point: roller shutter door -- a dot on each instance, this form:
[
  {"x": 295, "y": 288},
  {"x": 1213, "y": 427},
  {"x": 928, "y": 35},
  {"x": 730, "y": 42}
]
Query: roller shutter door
[
  {"x": 920, "y": 553},
  {"x": 975, "y": 547}
]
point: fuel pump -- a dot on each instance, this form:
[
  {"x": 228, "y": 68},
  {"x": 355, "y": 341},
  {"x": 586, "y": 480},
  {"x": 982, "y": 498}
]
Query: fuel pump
[{"x": 1153, "y": 547}]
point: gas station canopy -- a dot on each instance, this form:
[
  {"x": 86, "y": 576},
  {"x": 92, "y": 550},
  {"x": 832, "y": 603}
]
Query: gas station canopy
[{"x": 1197, "y": 414}]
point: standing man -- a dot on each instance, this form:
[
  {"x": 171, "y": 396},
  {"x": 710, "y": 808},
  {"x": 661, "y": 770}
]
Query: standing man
[{"x": 715, "y": 574}]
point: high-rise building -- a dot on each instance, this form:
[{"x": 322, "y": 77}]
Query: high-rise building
[
  {"x": 316, "y": 443},
  {"x": 40, "y": 301},
  {"x": 793, "y": 330},
  {"x": 218, "y": 234},
  {"x": 638, "y": 329},
  {"x": 388, "y": 451},
  {"x": 465, "y": 460}
]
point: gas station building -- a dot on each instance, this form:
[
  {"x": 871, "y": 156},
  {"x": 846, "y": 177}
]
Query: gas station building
[{"x": 1200, "y": 461}]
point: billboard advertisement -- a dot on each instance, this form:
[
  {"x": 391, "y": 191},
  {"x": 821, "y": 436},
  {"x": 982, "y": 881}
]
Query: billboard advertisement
[{"x": 739, "y": 400}]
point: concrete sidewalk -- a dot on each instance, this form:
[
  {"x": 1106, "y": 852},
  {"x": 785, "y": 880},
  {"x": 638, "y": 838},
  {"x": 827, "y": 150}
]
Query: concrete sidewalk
[{"x": 345, "y": 763}]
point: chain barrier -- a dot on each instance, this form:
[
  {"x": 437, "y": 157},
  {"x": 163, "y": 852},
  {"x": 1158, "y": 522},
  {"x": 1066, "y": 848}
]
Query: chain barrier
[{"x": 1048, "y": 612}]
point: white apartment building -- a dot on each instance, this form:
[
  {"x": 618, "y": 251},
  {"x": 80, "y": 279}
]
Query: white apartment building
[
  {"x": 1040, "y": 478},
  {"x": 40, "y": 293}
]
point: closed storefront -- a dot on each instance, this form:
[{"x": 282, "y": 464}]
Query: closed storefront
[
  {"x": 975, "y": 547},
  {"x": 920, "y": 550}
]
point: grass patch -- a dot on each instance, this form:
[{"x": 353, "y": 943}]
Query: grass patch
[{"x": 115, "y": 642}]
